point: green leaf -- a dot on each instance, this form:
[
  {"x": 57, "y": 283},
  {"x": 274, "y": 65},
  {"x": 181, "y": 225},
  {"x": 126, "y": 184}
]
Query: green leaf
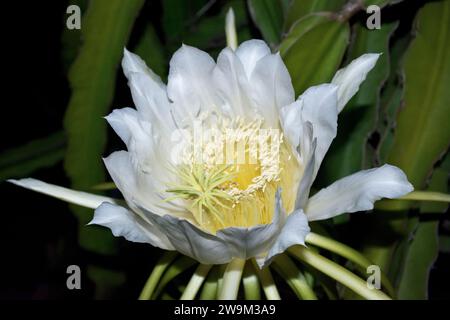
[
  {"x": 105, "y": 27},
  {"x": 391, "y": 99},
  {"x": 350, "y": 151},
  {"x": 71, "y": 38},
  {"x": 423, "y": 249},
  {"x": 40, "y": 153},
  {"x": 268, "y": 16},
  {"x": 310, "y": 61},
  {"x": 420, "y": 138},
  {"x": 301, "y": 27},
  {"x": 298, "y": 9}
]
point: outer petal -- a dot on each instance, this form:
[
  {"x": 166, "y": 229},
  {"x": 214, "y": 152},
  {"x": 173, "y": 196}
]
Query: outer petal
[
  {"x": 350, "y": 78},
  {"x": 358, "y": 192},
  {"x": 294, "y": 232},
  {"x": 123, "y": 222},
  {"x": 226, "y": 244},
  {"x": 190, "y": 240},
  {"x": 252, "y": 242},
  {"x": 250, "y": 52},
  {"x": 76, "y": 197}
]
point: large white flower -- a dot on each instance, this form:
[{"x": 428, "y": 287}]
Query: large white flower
[{"x": 216, "y": 212}]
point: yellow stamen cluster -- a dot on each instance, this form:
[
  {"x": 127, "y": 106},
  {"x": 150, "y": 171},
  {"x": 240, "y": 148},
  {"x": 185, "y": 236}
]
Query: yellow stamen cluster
[{"x": 235, "y": 183}]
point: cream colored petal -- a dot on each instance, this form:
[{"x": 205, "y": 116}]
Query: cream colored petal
[
  {"x": 80, "y": 198},
  {"x": 358, "y": 192},
  {"x": 127, "y": 224}
]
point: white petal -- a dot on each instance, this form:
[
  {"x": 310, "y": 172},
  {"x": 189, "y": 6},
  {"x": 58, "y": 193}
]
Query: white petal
[
  {"x": 319, "y": 107},
  {"x": 127, "y": 224},
  {"x": 358, "y": 192},
  {"x": 271, "y": 87},
  {"x": 143, "y": 143},
  {"x": 227, "y": 244},
  {"x": 125, "y": 123},
  {"x": 190, "y": 85},
  {"x": 350, "y": 78},
  {"x": 148, "y": 91},
  {"x": 307, "y": 178},
  {"x": 136, "y": 185},
  {"x": 190, "y": 240},
  {"x": 132, "y": 63},
  {"x": 294, "y": 232},
  {"x": 232, "y": 84},
  {"x": 250, "y": 52},
  {"x": 83, "y": 199},
  {"x": 252, "y": 242},
  {"x": 291, "y": 122},
  {"x": 151, "y": 100}
]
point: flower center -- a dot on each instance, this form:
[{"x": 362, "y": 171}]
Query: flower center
[{"x": 230, "y": 172}]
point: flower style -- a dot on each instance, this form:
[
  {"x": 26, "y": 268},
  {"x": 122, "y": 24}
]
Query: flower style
[{"x": 215, "y": 211}]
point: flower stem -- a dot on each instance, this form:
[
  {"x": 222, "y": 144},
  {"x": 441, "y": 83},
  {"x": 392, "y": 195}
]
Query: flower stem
[
  {"x": 231, "y": 280},
  {"x": 337, "y": 272},
  {"x": 196, "y": 282},
  {"x": 230, "y": 30},
  {"x": 209, "y": 290},
  {"x": 294, "y": 277},
  {"x": 348, "y": 253},
  {"x": 251, "y": 283},
  {"x": 267, "y": 283},
  {"x": 156, "y": 274}
]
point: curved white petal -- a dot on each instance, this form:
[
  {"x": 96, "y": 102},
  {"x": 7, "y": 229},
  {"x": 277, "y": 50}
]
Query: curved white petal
[
  {"x": 80, "y": 198},
  {"x": 127, "y": 224},
  {"x": 142, "y": 140},
  {"x": 292, "y": 124},
  {"x": 232, "y": 84},
  {"x": 271, "y": 87},
  {"x": 307, "y": 178},
  {"x": 125, "y": 121},
  {"x": 245, "y": 243},
  {"x": 132, "y": 63},
  {"x": 250, "y": 52},
  {"x": 137, "y": 185},
  {"x": 190, "y": 240},
  {"x": 358, "y": 192},
  {"x": 190, "y": 84},
  {"x": 350, "y": 78},
  {"x": 319, "y": 107},
  {"x": 294, "y": 232},
  {"x": 148, "y": 91},
  {"x": 227, "y": 244}
]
